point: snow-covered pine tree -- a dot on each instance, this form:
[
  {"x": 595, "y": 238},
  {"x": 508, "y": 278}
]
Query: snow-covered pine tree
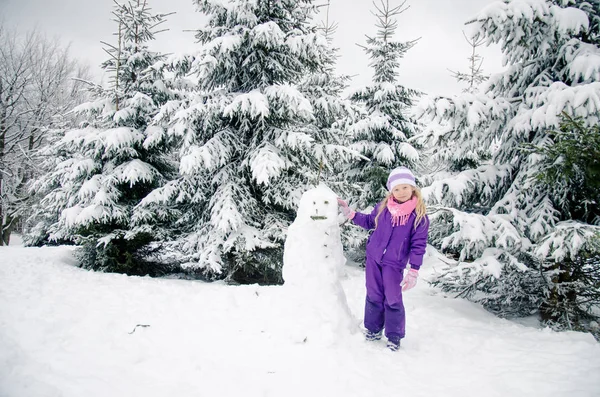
[
  {"x": 249, "y": 141},
  {"x": 334, "y": 116},
  {"x": 508, "y": 227},
  {"x": 570, "y": 169},
  {"x": 332, "y": 113},
  {"x": 445, "y": 149},
  {"x": 104, "y": 168},
  {"x": 384, "y": 134},
  {"x": 475, "y": 76}
]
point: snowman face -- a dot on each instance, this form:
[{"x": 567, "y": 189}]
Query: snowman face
[
  {"x": 319, "y": 209},
  {"x": 318, "y": 204}
]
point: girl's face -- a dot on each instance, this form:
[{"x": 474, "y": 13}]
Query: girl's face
[{"x": 402, "y": 192}]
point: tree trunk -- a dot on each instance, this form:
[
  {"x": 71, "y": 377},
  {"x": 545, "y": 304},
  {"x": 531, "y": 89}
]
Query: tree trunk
[
  {"x": 560, "y": 306},
  {"x": 7, "y": 229},
  {"x": 547, "y": 311},
  {"x": 2, "y": 145}
]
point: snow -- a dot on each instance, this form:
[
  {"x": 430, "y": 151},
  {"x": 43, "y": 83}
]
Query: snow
[
  {"x": 451, "y": 188},
  {"x": 384, "y": 153},
  {"x": 226, "y": 216},
  {"x": 584, "y": 61},
  {"x": 134, "y": 171},
  {"x": 103, "y": 106},
  {"x": 113, "y": 139},
  {"x": 250, "y": 236},
  {"x": 154, "y": 135},
  {"x": 69, "y": 215},
  {"x": 91, "y": 213},
  {"x": 582, "y": 100},
  {"x": 408, "y": 151},
  {"x": 253, "y": 105},
  {"x": 132, "y": 108},
  {"x": 266, "y": 164},
  {"x": 68, "y": 332},
  {"x": 220, "y": 46},
  {"x": 528, "y": 9},
  {"x": 267, "y": 34},
  {"x": 293, "y": 139},
  {"x": 77, "y": 166},
  {"x": 306, "y": 46},
  {"x": 90, "y": 187},
  {"x": 569, "y": 20},
  {"x": 567, "y": 240},
  {"x": 160, "y": 195},
  {"x": 216, "y": 152},
  {"x": 287, "y": 98}
]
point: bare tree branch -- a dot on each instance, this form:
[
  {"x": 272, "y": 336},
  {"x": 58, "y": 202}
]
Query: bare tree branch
[{"x": 36, "y": 87}]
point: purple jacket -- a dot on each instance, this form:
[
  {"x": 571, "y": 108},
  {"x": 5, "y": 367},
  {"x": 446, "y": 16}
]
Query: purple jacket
[{"x": 395, "y": 246}]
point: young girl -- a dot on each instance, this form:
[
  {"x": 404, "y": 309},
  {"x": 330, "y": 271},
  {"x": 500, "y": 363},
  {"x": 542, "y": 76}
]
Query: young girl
[{"x": 399, "y": 238}]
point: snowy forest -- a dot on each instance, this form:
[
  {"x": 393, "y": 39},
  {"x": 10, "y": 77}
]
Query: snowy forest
[{"x": 194, "y": 164}]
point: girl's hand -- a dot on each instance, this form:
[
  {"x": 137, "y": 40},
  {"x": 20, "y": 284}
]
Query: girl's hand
[
  {"x": 347, "y": 211},
  {"x": 410, "y": 280}
]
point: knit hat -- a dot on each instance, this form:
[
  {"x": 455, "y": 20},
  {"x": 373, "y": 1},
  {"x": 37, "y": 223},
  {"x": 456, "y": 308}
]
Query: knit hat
[{"x": 399, "y": 176}]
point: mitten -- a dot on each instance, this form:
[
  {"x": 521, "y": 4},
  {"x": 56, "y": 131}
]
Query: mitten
[
  {"x": 410, "y": 280},
  {"x": 347, "y": 211}
]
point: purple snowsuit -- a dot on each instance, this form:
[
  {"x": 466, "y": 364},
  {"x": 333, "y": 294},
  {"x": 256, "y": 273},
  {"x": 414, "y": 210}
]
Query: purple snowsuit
[{"x": 389, "y": 249}]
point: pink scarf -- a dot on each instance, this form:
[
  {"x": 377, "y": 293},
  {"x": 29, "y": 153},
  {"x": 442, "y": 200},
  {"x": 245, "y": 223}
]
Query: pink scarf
[{"x": 401, "y": 212}]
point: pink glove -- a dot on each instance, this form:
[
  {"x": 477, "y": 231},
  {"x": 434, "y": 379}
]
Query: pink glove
[
  {"x": 347, "y": 211},
  {"x": 410, "y": 280}
]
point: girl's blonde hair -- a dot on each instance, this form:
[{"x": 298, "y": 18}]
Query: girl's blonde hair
[{"x": 420, "y": 209}]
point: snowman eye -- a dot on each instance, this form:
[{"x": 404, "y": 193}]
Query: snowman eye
[
  {"x": 314, "y": 202},
  {"x": 326, "y": 202}
]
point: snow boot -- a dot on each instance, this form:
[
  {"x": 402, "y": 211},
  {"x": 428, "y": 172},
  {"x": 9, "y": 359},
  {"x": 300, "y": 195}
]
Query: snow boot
[
  {"x": 393, "y": 344},
  {"x": 372, "y": 336}
]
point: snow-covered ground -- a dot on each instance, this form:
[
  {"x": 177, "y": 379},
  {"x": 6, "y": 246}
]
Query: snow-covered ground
[{"x": 68, "y": 332}]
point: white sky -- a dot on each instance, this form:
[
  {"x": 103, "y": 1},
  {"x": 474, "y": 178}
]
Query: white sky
[{"x": 439, "y": 24}]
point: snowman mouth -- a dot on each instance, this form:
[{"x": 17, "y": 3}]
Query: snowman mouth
[{"x": 317, "y": 217}]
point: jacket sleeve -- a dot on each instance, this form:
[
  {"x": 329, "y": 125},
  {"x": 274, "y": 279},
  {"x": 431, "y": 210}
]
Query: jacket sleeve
[
  {"x": 366, "y": 221},
  {"x": 418, "y": 243}
]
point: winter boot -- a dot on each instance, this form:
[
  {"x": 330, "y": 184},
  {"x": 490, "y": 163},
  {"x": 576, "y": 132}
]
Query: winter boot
[
  {"x": 371, "y": 336},
  {"x": 393, "y": 344}
]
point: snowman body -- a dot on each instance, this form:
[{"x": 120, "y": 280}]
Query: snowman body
[{"x": 313, "y": 265}]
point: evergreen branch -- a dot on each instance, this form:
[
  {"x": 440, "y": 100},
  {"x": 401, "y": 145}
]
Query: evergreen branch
[
  {"x": 84, "y": 81},
  {"x": 138, "y": 325},
  {"x": 162, "y": 21},
  {"x": 109, "y": 45}
]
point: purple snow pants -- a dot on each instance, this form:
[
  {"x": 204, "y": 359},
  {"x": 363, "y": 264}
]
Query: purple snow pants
[{"x": 384, "y": 306}]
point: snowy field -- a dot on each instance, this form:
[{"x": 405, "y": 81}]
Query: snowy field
[{"x": 68, "y": 332}]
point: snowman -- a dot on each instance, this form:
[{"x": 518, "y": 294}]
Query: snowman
[{"x": 313, "y": 264}]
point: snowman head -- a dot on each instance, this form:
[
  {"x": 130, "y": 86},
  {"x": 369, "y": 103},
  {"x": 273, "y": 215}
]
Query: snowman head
[{"x": 319, "y": 205}]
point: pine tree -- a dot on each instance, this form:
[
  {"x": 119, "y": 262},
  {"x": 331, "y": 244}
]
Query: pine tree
[
  {"x": 570, "y": 171},
  {"x": 334, "y": 116},
  {"x": 571, "y": 166},
  {"x": 384, "y": 134},
  {"x": 475, "y": 76},
  {"x": 250, "y": 144},
  {"x": 507, "y": 228},
  {"x": 448, "y": 144},
  {"x": 107, "y": 166},
  {"x": 332, "y": 113}
]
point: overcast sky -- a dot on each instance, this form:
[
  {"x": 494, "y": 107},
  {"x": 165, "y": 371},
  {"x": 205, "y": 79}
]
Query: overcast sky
[{"x": 438, "y": 23}]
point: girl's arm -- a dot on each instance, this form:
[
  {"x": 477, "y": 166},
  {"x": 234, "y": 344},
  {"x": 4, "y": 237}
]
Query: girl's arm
[
  {"x": 366, "y": 221},
  {"x": 418, "y": 243}
]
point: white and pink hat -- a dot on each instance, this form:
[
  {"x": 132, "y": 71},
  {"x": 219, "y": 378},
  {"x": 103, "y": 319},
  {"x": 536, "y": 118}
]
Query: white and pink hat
[{"x": 399, "y": 176}]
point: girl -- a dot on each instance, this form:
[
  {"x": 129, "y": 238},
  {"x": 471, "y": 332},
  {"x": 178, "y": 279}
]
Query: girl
[{"x": 399, "y": 237}]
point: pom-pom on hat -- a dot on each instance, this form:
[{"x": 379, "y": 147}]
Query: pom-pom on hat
[{"x": 399, "y": 176}]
